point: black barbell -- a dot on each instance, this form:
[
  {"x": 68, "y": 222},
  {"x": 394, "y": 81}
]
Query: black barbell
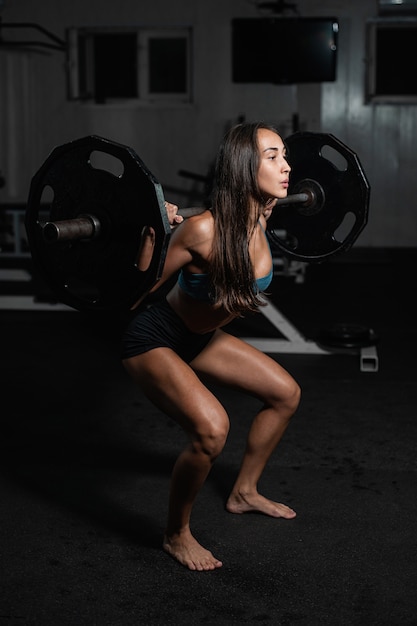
[
  {"x": 88, "y": 226},
  {"x": 84, "y": 219}
]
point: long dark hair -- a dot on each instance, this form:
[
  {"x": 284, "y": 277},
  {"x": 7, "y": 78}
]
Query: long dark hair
[{"x": 236, "y": 206}]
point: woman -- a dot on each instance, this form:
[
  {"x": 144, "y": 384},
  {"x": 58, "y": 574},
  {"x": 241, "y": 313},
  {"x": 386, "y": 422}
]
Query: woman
[{"x": 224, "y": 265}]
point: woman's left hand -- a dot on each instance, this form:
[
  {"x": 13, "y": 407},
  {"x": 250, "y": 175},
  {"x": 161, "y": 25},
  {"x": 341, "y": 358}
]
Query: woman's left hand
[{"x": 268, "y": 207}]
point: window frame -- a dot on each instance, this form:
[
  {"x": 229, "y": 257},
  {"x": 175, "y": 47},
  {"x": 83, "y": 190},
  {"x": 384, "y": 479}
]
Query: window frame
[{"x": 79, "y": 65}]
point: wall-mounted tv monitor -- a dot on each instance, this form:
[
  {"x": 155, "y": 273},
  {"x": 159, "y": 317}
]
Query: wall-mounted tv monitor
[
  {"x": 284, "y": 50},
  {"x": 390, "y": 60}
]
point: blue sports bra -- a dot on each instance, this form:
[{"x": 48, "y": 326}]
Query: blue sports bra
[{"x": 197, "y": 285}]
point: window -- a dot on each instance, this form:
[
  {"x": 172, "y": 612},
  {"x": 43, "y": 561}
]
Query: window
[
  {"x": 108, "y": 65},
  {"x": 391, "y": 52}
]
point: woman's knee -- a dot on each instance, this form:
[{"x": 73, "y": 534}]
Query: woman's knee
[
  {"x": 294, "y": 395},
  {"x": 287, "y": 398},
  {"x": 210, "y": 437}
]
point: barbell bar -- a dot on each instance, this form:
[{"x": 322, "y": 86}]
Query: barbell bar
[
  {"x": 85, "y": 237},
  {"x": 88, "y": 226}
]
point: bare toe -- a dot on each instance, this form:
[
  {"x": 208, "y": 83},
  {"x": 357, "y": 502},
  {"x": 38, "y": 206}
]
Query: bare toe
[{"x": 187, "y": 551}]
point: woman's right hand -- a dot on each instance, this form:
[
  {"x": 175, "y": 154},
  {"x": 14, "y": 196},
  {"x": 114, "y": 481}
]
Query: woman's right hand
[{"x": 172, "y": 212}]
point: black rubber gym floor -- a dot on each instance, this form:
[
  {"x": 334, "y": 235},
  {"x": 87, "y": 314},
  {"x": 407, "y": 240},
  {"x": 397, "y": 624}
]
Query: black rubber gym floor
[{"x": 86, "y": 462}]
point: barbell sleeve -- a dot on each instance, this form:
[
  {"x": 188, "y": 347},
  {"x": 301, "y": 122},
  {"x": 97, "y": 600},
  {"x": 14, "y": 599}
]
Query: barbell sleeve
[
  {"x": 77, "y": 228},
  {"x": 296, "y": 198}
]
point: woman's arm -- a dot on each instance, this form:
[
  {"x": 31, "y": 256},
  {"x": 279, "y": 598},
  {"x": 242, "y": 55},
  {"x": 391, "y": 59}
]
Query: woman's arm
[
  {"x": 178, "y": 254},
  {"x": 190, "y": 243}
]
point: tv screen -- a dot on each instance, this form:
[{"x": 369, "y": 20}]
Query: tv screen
[
  {"x": 284, "y": 50},
  {"x": 391, "y": 54}
]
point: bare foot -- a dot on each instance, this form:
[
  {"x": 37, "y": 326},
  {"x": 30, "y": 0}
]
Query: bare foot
[
  {"x": 255, "y": 503},
  {"x": 185, "y": 549}
]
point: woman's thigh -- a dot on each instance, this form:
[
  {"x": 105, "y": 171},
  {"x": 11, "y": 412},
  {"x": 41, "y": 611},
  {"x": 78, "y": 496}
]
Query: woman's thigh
[
  {"x": 230, "y": 361},
  {"x": 173, "y": 387}
]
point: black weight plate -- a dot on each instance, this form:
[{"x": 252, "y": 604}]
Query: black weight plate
[
  {"x": 347, "y": 335},
  {"x": 98, "y": 274},
  {"x": 312, "y": 235}
]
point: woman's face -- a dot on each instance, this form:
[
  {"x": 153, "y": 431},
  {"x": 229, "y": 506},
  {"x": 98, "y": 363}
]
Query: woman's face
[{"x": 274, "y": 170}]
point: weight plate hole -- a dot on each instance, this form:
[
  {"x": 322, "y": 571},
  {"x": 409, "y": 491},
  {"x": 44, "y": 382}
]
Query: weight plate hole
[
  {"x": 108, "y": 162},
  {"x": 335, "y": 157},
  {"x": 146, "y": 248},
  {"x": 346, "y": 227},
  {"x": 45, "y": 202},
  {"x": 47, "y": 195}
]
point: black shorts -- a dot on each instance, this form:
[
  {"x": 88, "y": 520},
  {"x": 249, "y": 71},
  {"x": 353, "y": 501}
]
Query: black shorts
[{"x": 160, "y": 327}]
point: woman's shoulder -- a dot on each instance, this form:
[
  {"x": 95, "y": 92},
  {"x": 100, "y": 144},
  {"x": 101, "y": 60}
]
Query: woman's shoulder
[{"x": 198, "y": 227}]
